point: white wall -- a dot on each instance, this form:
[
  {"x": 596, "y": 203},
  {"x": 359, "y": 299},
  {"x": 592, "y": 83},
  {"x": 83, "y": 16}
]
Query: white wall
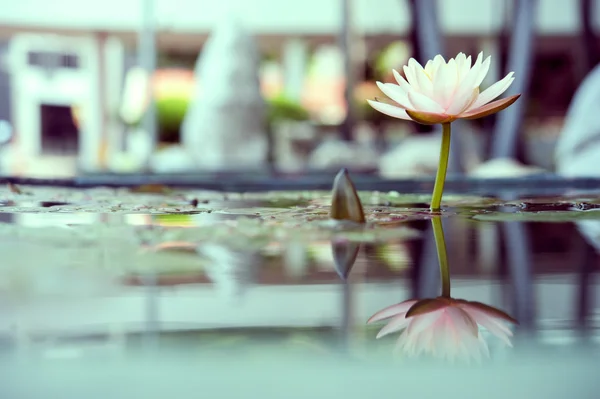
[
  {"x": 31, "y": 88},
  {"x": 277, "y": 16}
]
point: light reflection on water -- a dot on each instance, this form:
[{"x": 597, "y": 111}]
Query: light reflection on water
[{"x": 75, "y": 286}]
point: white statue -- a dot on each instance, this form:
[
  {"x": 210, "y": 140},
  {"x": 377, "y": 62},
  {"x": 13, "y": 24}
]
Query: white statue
[{"x": 224, "y": 127}]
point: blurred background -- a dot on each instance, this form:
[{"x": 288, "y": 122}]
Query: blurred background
[
  {"x": 279, "y": 88},
  {"x": 180, "y": 86}
]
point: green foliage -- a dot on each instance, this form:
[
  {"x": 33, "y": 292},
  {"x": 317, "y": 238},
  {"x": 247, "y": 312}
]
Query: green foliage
[
  {"x": 365, "y": 112},
  {"x": 170, "y": 112},
  {"x": 281, "y": 108},
  {"x": 388, "y": 58}
]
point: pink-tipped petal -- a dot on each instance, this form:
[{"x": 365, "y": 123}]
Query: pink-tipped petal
[
  {"x": 462, "y": 320},
  {"x": 421, "y": 323},
  {"x": 391, "y": 311},
  {"x": 426, "y": 118},
  {"x": 390, "y": 110},
  {"x": 490, "y": 108},
  {"x": 395, "y": 92},
  {"x": 494, "y": 326},
  {"x": 396, "y": 324},
  {"x": 493, "y": 91},
  {"x": 422, "y": 103},
  {"x": 490, "y": 310}
]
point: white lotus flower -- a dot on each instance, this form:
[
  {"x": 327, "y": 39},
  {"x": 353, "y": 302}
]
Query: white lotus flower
[
  {"x": 444, "y": 91},
  {"x": 444, "y": 327}
]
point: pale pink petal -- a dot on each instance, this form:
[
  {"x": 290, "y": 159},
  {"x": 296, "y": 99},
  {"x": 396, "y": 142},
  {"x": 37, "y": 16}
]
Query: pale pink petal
[
  {"x": 409, "y": 74},
  {"x": 463, "y": 64},
  {"x": 464, "y": 93},
  {"x": 445, "y": 83},
  {"x": 465, "y": 354},
  {"x": 438, "y": 62},
  {"x": 424, "y": 83},
  {"x": 421, "y": 102},
  {"x": 473, "y": 98},
  {"x": 483, "y": 346},
  {"x": 455, "y": 332},
  {"x": 396, "y": 324},
  {"x": 439, "y": 338},
  {"x": 473, "y": 348},
  {"x": 493, "y": 91},
  {"x": 483, "y": 71},
  {"x": 391, "y": 311},
  {"x": 428, "y": 66},
  {"x": 422, "y": 322},
  {"x": 493, "y": 325},
  {"x": 401, "y": 81},
  {"x": 390, "y": 110},
  {"x": 476, "y": 66},
  {"x": 456, "y": 338},
  {"x": 463, "y": 321},
  {"x": 461, "y": 102},
  {"x": 464, "y": 69},
  {"x": 401, "y": 343},
  {"x": 425, "y": 340},
  {"x": 470, "y": 348},
  {"x": 396, "y": 93}
]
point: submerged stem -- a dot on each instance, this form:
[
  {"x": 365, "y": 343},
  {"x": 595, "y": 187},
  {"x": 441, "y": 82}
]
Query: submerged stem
[
  {"x": 440, "y": 177},
  {"x": 440, "y": 245}
]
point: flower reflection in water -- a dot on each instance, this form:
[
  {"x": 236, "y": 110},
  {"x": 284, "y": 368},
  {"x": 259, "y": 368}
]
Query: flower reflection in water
[{"x": 444, "y": 327}]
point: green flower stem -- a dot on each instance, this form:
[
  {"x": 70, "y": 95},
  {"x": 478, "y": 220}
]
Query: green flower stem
[
  {"x": 440, "y": 245},
  {"x": 440, "y": 177}
]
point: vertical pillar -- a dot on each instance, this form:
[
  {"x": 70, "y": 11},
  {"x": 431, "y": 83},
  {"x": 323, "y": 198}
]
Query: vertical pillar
[
  {"x": 295, "y": 54},
  {"x": 147, "y": 60},
  {"x": 115, "y": 54},
  {"x": 103, "y": 139},
  {"x": 346, "y": 46},
  {"x": 519, "y": 60}
]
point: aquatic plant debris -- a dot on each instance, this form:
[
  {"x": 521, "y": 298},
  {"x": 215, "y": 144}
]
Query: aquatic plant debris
[
  {"x": 126, "y": 233},
  {"x": 378, "y": 207},
  {"x": 244, "y": 220}
]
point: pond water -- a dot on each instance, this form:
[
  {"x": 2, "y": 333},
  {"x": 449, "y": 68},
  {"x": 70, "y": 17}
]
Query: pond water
[{"x": 102, "y": 287}]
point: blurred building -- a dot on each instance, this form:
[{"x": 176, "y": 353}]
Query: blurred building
[{"x": 78, "y": 57}]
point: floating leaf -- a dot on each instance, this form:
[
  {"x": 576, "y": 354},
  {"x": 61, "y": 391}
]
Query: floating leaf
[{"x": 547, "y": 217}]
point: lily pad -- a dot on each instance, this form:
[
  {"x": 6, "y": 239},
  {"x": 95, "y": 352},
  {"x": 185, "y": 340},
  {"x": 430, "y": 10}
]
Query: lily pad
[{"x": 547, "y": 217}]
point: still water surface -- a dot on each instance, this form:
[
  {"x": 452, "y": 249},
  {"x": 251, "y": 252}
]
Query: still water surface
[{"x": 101, "y": 286}]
